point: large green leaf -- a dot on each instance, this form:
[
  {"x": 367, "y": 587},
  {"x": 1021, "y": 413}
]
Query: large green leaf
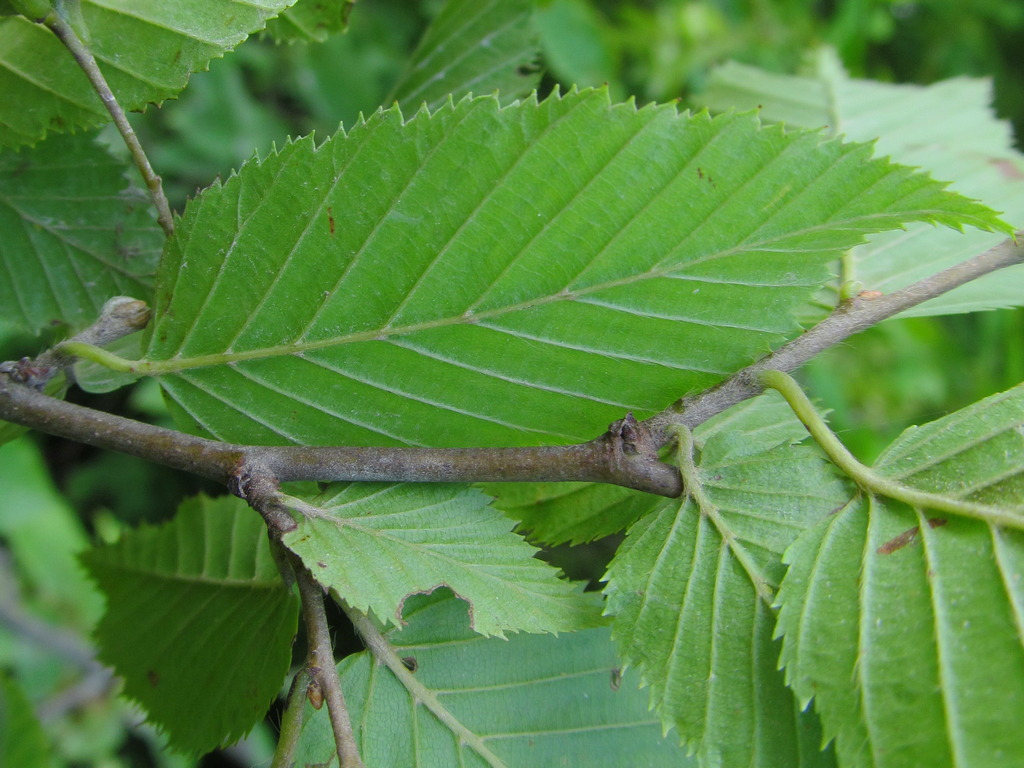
[
  {"x": 377, "y": 544},
  {"x": 534, "y": 700},
  {"x": 74, "y": 236},
  {"x": 904, "y": 625},
  {"x": 146, "y": 51},
  {"x": 197, "y": 605},
  {"x": 692, "y": 586},
  {"x": 486, "y": 275},
  {"x": 947, "y": 128},
  {"x": 473, "y": 46}
]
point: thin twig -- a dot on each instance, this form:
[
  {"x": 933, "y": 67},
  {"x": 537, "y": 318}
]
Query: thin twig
[
  {"x": 58, "y": 24},
  {"x": 613, "y": 458},
  {"x": 851, "y": 317},
  {"x": 322, "y": 669},
  {"x": 626, "y": 455}
]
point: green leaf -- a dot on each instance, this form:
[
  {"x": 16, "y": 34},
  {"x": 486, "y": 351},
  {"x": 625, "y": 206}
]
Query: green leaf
[
  {"x": 559, "y": 513},
  {"x": 578, "y": 45},
  {"x": 691, "y": 591},
  {"x": 377, "y": 544},
  {"x": 197, "y": 605},
  {"x": 310, "y": 21},
  {"x": 888, "y": 612},
  {"x": 146, "y": 51},
  {"x": 947, "y": 128},
  {"x": 534, "y": 700},
  {"x": 411, "y": 282},
  {"x": 472, "y": 46},
  {"x": 43, "y": 534},
  {"x": 22, "y": 741},
  {"x": 74, "y": 234}
]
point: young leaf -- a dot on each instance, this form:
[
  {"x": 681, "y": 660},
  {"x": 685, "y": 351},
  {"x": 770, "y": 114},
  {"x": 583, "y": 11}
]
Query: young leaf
[
  {"x": 197, "y": 605},
  {"x": 947, "y": 128},
  {"x": 887, "y": 612},
  {"x": 145, "y": 50},
  {"x": 377, "y": 544},
  {"x": 534, "y": 700},
  {"x": 486, "y": 275},
  {"x": 74, "y": 236},
  {"x": 691, "y": 592},
  {"x": 473, "y": 46}
]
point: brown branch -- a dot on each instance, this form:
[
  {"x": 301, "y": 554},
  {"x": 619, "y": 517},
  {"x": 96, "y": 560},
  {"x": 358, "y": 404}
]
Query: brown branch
[
  {"x": 853, "y": 316},
  {"x": 258, "y": 487},
  {"x": 626, "y": 455},
  {"x": 321, "y": 666}
]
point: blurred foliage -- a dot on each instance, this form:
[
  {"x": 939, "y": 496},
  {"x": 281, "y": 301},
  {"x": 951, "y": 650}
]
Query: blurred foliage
[{"x": 903, "y": 372}]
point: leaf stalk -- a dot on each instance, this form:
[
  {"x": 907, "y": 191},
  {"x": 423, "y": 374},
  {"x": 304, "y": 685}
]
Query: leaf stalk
[{"x": 867, "y": 478}]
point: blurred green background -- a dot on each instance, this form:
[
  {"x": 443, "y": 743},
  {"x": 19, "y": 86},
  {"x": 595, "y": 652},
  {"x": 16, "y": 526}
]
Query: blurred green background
[{"x": 876, "y": 384}]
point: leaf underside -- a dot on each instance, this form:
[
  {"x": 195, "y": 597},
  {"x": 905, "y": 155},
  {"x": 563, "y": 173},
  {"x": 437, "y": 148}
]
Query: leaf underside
[
  {"x": 412, "y": 283},
  {"x": 473, "y": 46},
  {"x": 375, "y": 544},
  {"x": 146, "y": 52},
  {"x": 532, "y": 700},
  {"x": 197, "y": 605},
  {"x": 559, "y": 513},
  {"x": 73, "y": 235},
  {"x": 690, "y": 591},
  {"x": 947, "y": 128},
  {"x": 904, "y": 624}
]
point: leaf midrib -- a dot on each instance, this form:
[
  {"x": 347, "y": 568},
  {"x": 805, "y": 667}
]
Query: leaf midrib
[{"x": 175, "y": 364}]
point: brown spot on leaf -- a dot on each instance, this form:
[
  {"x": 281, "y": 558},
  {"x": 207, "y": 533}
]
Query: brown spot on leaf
[
  {"x": 899, "y": 542},
  {"x": 616, "y": 678},
  {"x": 410, "y": 663},
  {"x": 153, "y": 676},
  {"x": 908, "y": 537},
  {"x": 330, "y": 219}
]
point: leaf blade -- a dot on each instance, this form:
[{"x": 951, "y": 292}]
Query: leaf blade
[
  {"x": 432, "y": 536},
  {"x": 146, "y": 52},
  {"x": 932, "y": 596},
  {"x": 531, "y": 700},
  {"x": 690, "y": 590},
  {"x": 75, "y": 234},
  {"x": 215, "y": 616},
  {"x": 475, "y": 296},
  {"x": 472, "y": 47},
  {"x": 914, "y": 125}
]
